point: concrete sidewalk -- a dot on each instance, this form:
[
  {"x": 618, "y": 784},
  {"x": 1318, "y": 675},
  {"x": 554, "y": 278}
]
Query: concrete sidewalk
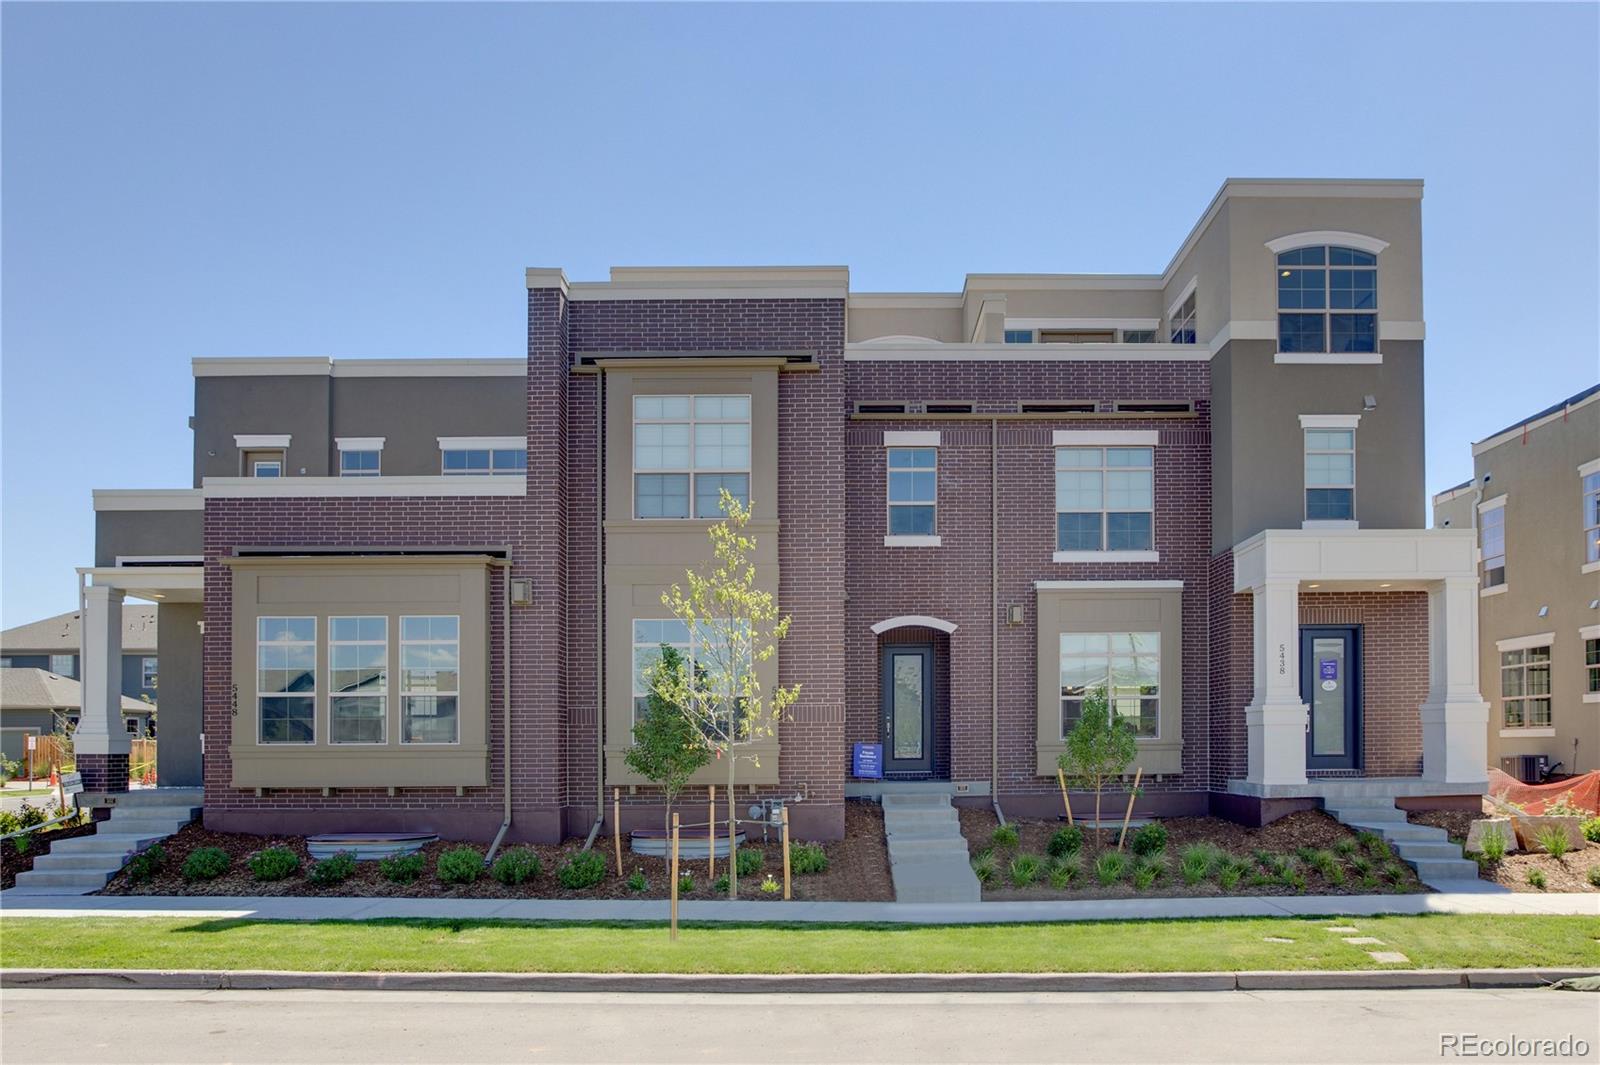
[{"x": 293, "y": 908}]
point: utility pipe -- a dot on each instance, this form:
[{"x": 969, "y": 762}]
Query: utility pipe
[
  {"x": 504, "y": 566},
  {"x": 994, "y": 618},
  {"x": 599, "y": 607}
]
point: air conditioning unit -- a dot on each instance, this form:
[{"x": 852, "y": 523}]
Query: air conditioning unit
[{"x": 1528, "y": 768}]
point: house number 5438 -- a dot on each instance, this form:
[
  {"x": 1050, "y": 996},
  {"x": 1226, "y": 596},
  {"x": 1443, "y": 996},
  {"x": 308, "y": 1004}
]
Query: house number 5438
[{"x": 1283, "y": 660}]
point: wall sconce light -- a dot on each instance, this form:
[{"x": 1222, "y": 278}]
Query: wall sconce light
[
  {"x": 521, "y": 591},
  {"x": 1369, "y": 403},
  {"x": 1014, "y": 614},
  {"x": 1544, "y": 611}
]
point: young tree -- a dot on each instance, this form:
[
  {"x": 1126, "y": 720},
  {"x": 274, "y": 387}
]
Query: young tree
[
  {"x": 734, "y": 626},
  {"x": 667, "y": 746},
  {"x": 1100, "y": 747}
]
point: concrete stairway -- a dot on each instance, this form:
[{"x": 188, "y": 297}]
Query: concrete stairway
[
  {"x": 927, "y": 853},
  {"x": 83, "y": 864},
  {"x": 1427, "y": 850}
]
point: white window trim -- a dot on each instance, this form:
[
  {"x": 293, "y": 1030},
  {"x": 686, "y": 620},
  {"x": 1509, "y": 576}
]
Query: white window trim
[
  {"x": 1330, "y": 421},
  {"x": 1105, "y": 438},
  {"x": 911, "y": 438},
  {"x": 383, "y": 695},
  {"x": 1313, "y": 237},
  {"x": 1306, "y": 486},
  {"x": 911, "y": 539},
  {"x": 1522, "y": 643},
  {"x": 359, "y": 443},
  {"x": 1494, "y": 589},
  {"x": 1183, "y": 294},
  {"x": 1532, "y": 733},
  {"x": 482, "y": 443},
  {"x": 144, "y": 672},
  {"x": 906, "y": 540},
  {"x": 401, "y": 694},
  {"x": 1592, "y": 466},
  {"x": 260, "y": 441},
  {"x": 1105, "y": 556},
  {"x": 1493, "y": 504},
  {"x": 1589, "y": 632},
  {"x": 257, "y": 464},
  {"x": 316, "y": 680},
  {"x": 1329, "y": 358}
]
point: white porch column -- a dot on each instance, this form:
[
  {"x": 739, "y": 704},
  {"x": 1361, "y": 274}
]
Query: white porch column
[
  {"x": 1455, "y": 718},
  {"x": 100, "y": 730},
  {"x": 1275, "y": 720}
]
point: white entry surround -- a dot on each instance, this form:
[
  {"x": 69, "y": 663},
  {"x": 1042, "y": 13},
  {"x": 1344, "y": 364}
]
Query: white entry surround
[{"x": 1273, "y": 566}]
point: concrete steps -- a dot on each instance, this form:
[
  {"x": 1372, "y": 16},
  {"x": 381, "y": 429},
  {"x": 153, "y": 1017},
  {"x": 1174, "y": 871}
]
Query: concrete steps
[
  {"x": 1427, "y": 850},
  {"x": 927, "y": 853},
  {"x": 84, "y": 864}
]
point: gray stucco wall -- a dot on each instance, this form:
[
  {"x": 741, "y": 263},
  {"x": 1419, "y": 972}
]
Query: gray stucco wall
[
  {"x": 296, "y": 404},
  {"x": 1258, "y": 446},
  {"x": 178, "y": 762},
  {"x": 411, "y": 413},
  {"x": 147, "y": 532}
]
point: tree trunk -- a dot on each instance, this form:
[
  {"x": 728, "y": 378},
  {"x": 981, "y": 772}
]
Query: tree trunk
[
  {"x": 733, "y": 825},
  {"x": 1099, "y": 840}
]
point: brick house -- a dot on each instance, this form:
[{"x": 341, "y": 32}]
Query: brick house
[{"x": 418, "y": 593}]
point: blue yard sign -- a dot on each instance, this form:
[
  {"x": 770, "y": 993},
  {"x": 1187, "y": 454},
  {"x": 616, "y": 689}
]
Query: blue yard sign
[{"x": 866, "y": 763}]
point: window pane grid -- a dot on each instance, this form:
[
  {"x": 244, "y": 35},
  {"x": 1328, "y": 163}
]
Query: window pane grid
[
  {"x": 430, "y": 678},
  {"x": 1492, "y": 542},
  {"x": 1126, "y": 664},
  {"x": 913, "y": 490},
  {"x": 1183, "y": 321},
  {"x": 482, "y": 462},
  {"x": 688, "y": 449},
  {"x": 1525, "y": 688},
  {"x": 360, "y": 463},
  {"x": 1105, "y": 498},
  {"x": 703, "y": 657},
  {"x": 1330, "y": 474},
  {"x": 1591, "y": 665},
  {"x": 358, "y": 679},
  {"x": 1339, "y": 286},
  {"x": 1591, "y": 518},
  {"x": 286, "y": 679}
]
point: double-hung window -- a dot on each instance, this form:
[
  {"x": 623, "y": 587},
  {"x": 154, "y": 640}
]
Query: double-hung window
[
  {"x": 484, "y": 462},
  {"x": 286, "y": 679},
  {"x": 1591, "y": 666},
  {"x": 1127, "y": 665},
  {"x": 1591, "y": 517},
  {"x": 687, "y": 450},
  {"x": 1492, "y": 545},
  {"x": 430, "y": 679},
  {"x": 148, "y": 673},
  {"x": 1105, "y": 498},
  {"x": 1330, "y": 472},
  {"x": 711, "y": 662},
  {"x": 358, "y": 679},
  {"x": 1327, "y": 300},
  {"x": 1525, "y": 687},
  {"x": 913, "y": 490}
]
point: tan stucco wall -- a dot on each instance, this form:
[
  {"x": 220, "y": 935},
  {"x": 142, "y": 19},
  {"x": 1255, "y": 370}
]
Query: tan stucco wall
[
  {"x": 342, "y": 587},
  {"x": 1544, "y": 568},
  {"x": 1112, "y": 610}
]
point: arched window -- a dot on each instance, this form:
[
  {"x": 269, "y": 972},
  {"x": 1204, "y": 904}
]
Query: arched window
[{"x": 1327, "y": 299}]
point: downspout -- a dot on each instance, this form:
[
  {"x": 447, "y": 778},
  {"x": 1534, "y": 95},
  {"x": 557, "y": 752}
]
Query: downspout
[
  {"x": 994, "y": 618},
  {"x": 504, "y": 566},
  {"x": 599, "y": 607}
]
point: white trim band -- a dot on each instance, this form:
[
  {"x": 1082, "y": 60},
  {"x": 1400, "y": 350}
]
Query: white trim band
[
  {"x": 483, "y": 443},
  {"x": 1105, "y": 556},
  {"x": 1083, "y": 323},
  {"x": 148, "y": 499},
  {"x": 1522, "y": 643},
  {"x": 1592, "y": 466},
  {"x": 335, "y": 487},
  {"x": 917, "y": 621},
  {"x": 1328, "y": 358},
  {"x": 911, "y": 437},
  {"x": 1589, "y": 632},
  {"x": 1153, "y": 586},
  {"x": 1330, "y": 421},
  {"x": 1105, "y": 438},
  {"x": 1494, "y": 504},
  {"x": 1312, "y": 237},
  {"x": 359, "y": 443},
  {"x": 909, "y": 540},
  {"x": 250, "y": 441}
]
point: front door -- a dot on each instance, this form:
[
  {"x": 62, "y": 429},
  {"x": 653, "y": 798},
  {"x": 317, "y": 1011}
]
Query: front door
[
  {"x": 907, "y": 708},
  {"x": 1330, "y": 684}
]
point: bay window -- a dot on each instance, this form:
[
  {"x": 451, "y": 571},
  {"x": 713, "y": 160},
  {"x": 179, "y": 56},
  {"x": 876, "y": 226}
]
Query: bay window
[{"x": 1127, "y": 665}]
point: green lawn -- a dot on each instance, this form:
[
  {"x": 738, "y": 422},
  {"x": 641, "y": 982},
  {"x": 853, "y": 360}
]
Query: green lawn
[{"x": 1437, "y": 941}]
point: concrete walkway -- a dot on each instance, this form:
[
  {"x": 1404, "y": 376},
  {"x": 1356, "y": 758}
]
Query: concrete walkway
[{"x": 13, "y": 904}]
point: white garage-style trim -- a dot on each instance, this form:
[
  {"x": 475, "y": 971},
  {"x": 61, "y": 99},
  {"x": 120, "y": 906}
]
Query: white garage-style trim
[{"x": 910, "y": 621}]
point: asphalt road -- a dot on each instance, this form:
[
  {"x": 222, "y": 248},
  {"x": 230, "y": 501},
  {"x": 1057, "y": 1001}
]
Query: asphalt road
[{"x": 40, "y": 1027}]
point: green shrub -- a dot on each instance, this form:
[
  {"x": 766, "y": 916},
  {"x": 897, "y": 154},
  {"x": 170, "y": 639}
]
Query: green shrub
[
  {"x": 1492, "y": 846},
  {"x": 206, "y": 863},
  {"x": 273, "y": 863},
  {"x": 146, "y": 863},
  {"x": 516, "y": 865},
  {"x": 1346, "y": 847},
  {"x": 1554, "y": 841},
  {"x": 9, "y": 823},
  {"x": 1110, "y": 867},
  {"x": 1025, "y": 869},
  {"x": 750, "y": 860},
  {"x": 1005, "y": 837},
  {"x": 1151, "y": 839},
  {"x": 1230, "y": 872},
  {"x": 637, "y": 882},
  {"x": 984, "y": 867},
  {"x": 1369, "y": 841},
  {"x": 459, "y": 865},
  {"x": 1594, "y": 876},
  {"x": 720, "y": 887},
  {"x": 29, "y": 815},
  {"x": 807, "y": 858},
  {"x": 686, "y": 883},
  {"x": 1537, "y": 878},
  {"x": 1306, "y": 854},
  {"x": 1263, "y": 858},
  {"x": 1591, "y": 830},
  {"x": 1145, "y": 876},
  {"x": 332, "y": 870},
  {"x": 1394, "y": 872},
  {"x": 1368, "y": 882},
  {"x": 583, "y": 870},
  {"x": 1197, "y": 861},
  {"x": 1064, "y": 870},
  {"x": 1361, "y": 864},
  {"x": 769, "y": 886},
  {"x": 402, "y": 868},
  {"x": 1065, "y": 841}
]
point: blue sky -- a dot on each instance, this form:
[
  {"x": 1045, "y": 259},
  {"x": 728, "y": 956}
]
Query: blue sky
[{"x": 370, "y": 180}]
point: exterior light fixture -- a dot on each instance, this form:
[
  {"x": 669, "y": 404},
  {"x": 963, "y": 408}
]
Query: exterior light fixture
[
  {"x": 1544, "y": 611},
  {"x": 1369, "y": 402},
  {"x": 1014, "y": 614},
  {"x": 1386, "y": 586},
  {"x": 521, "y": 591}
]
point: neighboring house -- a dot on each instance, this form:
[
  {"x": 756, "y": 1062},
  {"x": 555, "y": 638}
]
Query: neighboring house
[
  {"x": 1534, "y": 504},
  {"x": 52, "y": 644},
  {"x": 37, "y": 702},
  {"x": 1202, "y": 487}
]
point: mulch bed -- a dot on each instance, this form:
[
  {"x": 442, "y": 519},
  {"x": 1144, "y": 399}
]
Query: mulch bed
[
  {"x": 1309, "y": 828},
  {"x": 12, "y": 863},
  {"x": 858, "y": 870},
  {"x": 1569, "y": 873}
]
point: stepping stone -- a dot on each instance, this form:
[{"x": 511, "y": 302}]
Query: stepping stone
[
  {"x": 1342, "y": 928},
  {"x": 1388, "y": 957},
  {"x": 1362, "y": 941},
  {"x": 1276, "y": 939}
]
